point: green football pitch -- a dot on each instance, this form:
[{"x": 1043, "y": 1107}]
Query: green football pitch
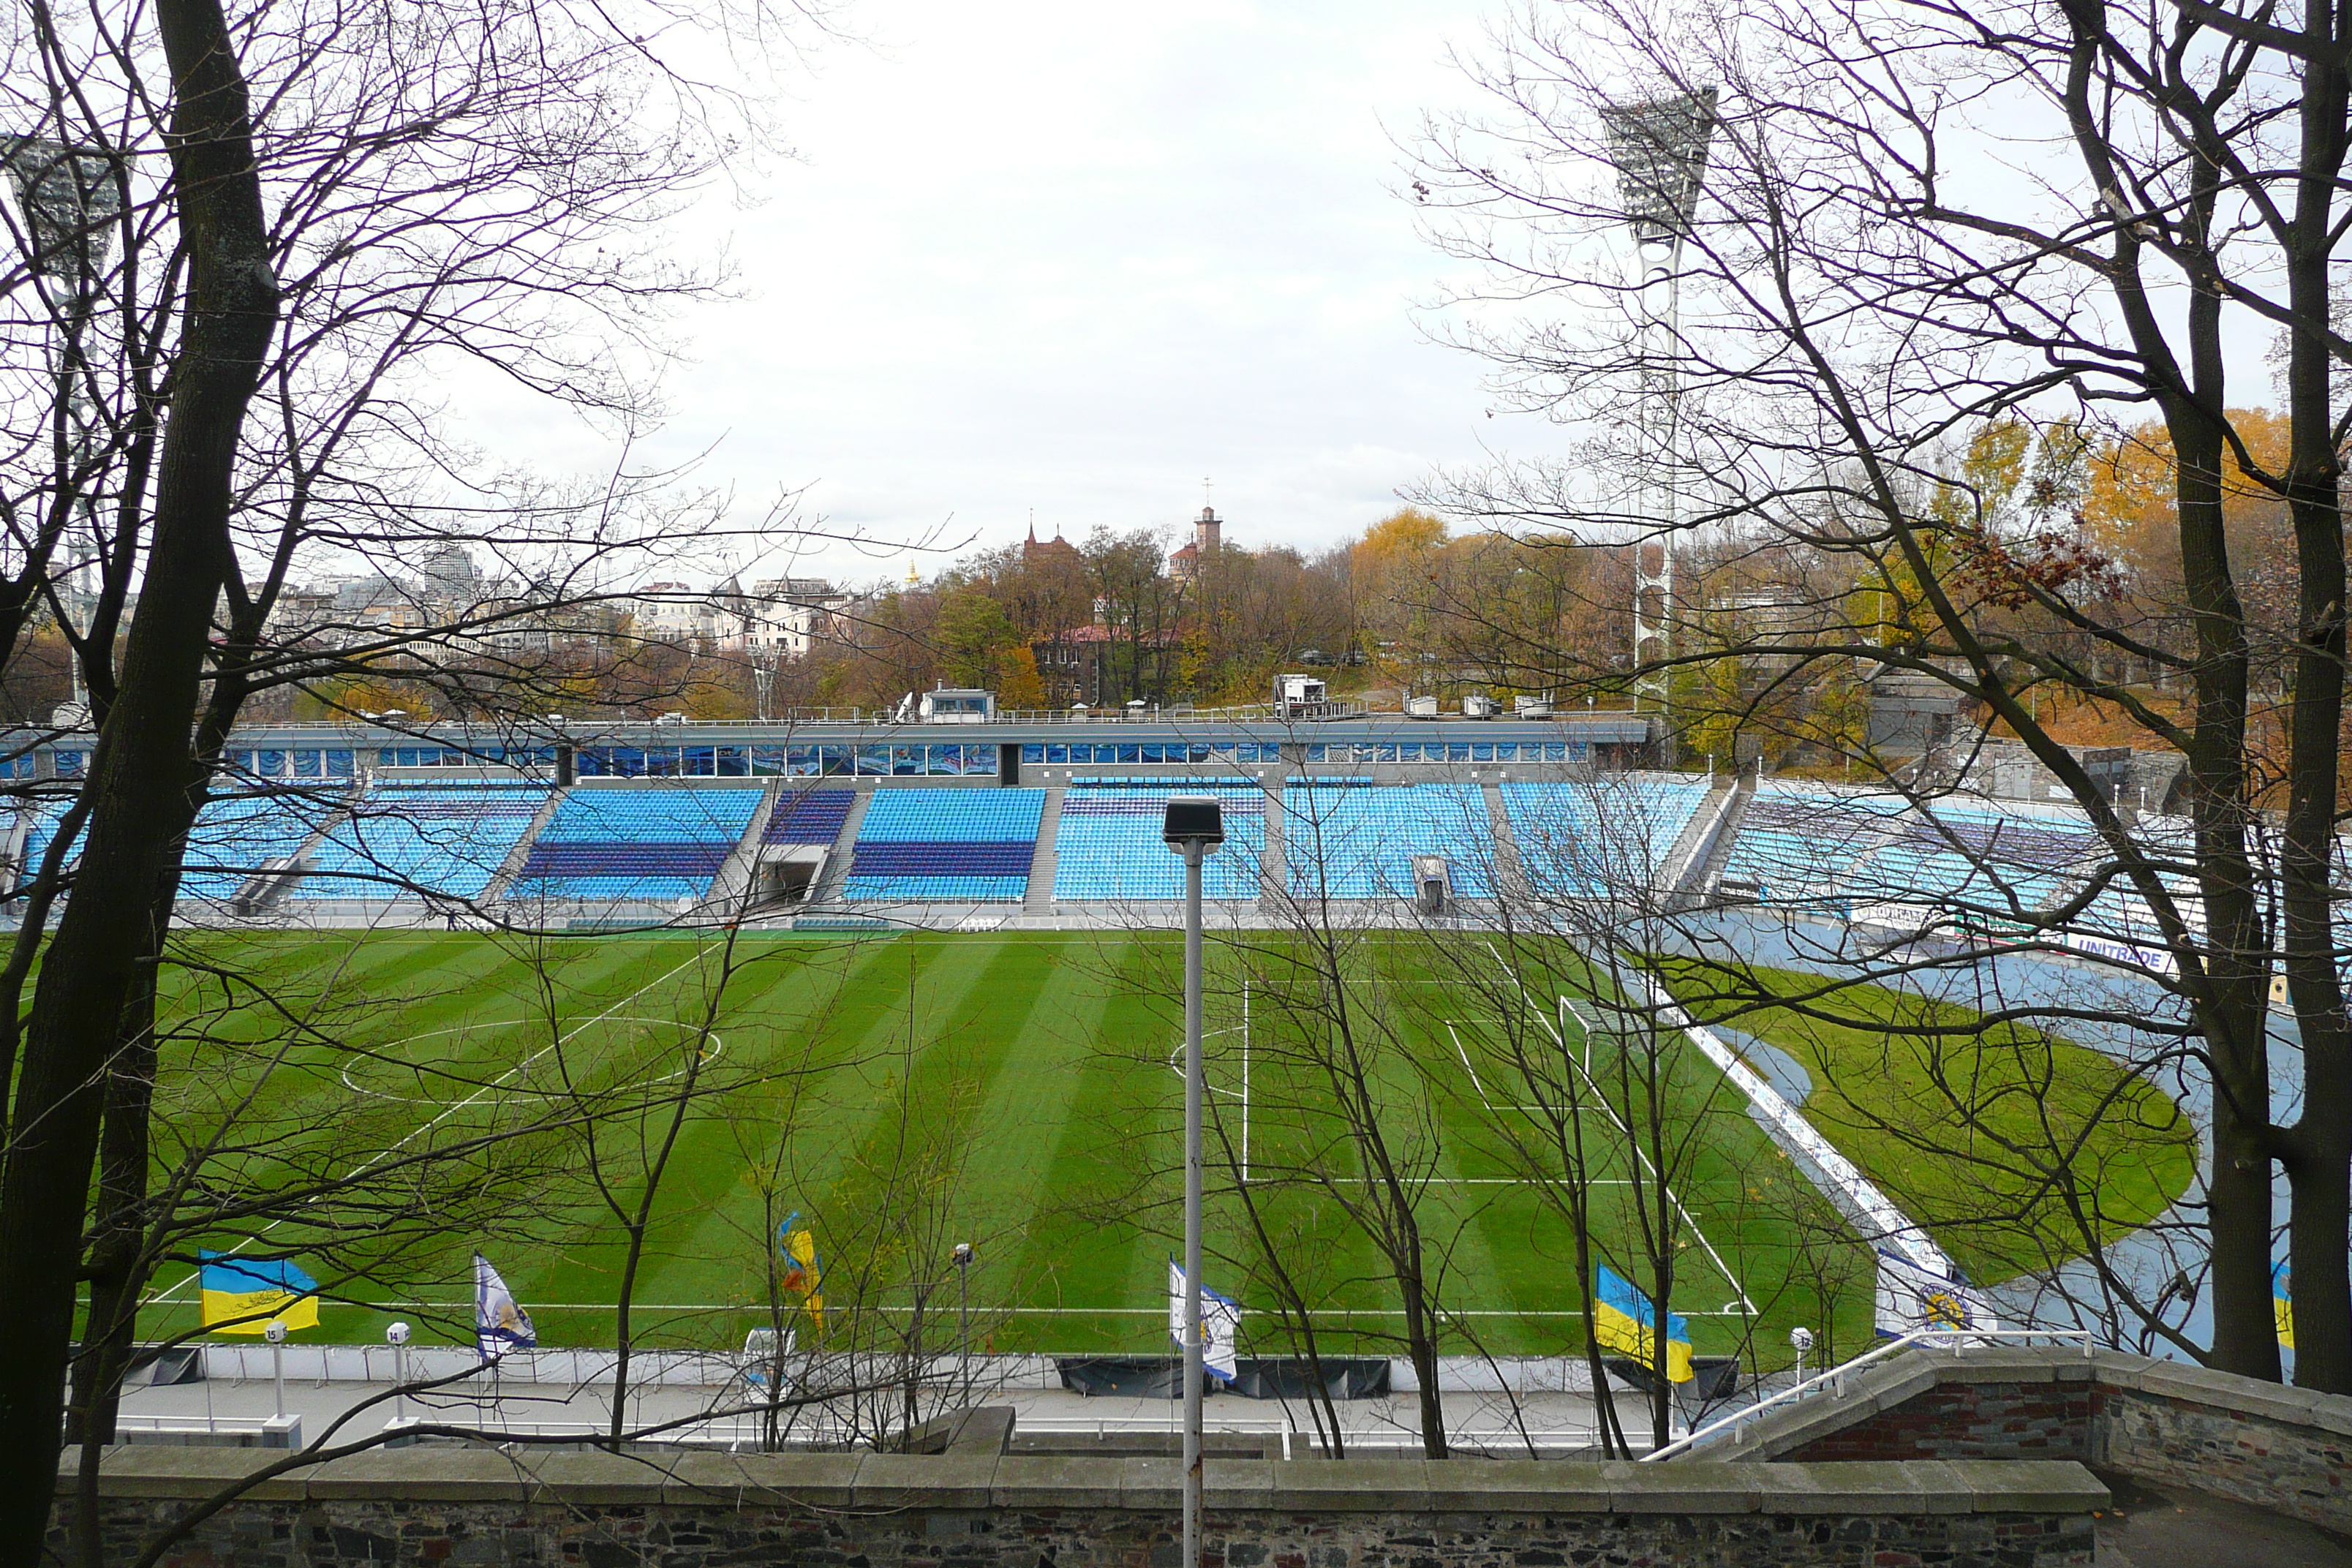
[{"x": 898, "y": 1094}]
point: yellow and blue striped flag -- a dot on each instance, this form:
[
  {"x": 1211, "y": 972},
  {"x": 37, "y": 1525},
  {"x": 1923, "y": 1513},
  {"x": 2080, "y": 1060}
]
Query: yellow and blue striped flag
[
  {"x": 2282, "y": 1303},
  {"x": 1624, "y": 1321},
  {"x": 245, "y": 1295},
  {"x": 803, "y": 1271}
]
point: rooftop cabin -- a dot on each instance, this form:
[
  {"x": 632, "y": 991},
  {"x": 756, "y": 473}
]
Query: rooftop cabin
[{"x": 958, "y": 705}]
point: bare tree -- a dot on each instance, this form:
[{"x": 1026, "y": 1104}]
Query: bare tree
[
  {"x": 311, "y": 214},
  {"x": 1856, "y": 314}
]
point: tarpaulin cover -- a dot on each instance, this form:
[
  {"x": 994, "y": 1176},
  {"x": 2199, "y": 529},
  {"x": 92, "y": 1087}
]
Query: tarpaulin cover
[
  {"x": 1267, "y": 1377},
  {"x": 1131, "y": 1377}
]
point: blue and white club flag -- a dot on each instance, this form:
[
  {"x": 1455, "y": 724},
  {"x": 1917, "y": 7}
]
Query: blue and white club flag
[
  {"x": 1221, "y": 1323},
  {"x": 499, "y": 1322},
  {"x": 1912, "y": 1299}
]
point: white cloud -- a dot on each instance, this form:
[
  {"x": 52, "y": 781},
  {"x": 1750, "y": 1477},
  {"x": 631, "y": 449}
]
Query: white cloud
[{"x": 1075, "y": 257}]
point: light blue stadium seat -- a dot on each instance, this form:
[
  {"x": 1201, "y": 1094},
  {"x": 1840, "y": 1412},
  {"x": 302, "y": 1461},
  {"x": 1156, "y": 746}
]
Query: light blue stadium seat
[
  {"x": 1603, "y": 835},
  {"x": 236, "y": 835},
  {"x": 409, "y": 840},
  {"x": 648, "y": 842},
  {"x": 1357, "y": 842},
  {"x": 1108, "y": 846},
  {"x": 945, "y": 845}
]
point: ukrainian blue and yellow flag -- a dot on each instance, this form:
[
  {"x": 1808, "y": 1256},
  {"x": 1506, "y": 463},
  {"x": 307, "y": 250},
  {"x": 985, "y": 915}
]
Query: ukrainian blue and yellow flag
[
  {"x": 1624, "y": 1321},
  {"x": 803, "y": 1271},
  {"x": 2282, "y": 1303},
  {"x": 245, "y": 1295}
]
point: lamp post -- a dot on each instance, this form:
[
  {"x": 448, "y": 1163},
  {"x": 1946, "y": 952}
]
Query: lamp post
[
  {"x": 275, "y": 1332},
  {"x": 1193, "y": 827},
  {"x": 396, "y": 1337},
  {"x": 1659, "y": 146},
  {"x": 962, "y": 1258}
]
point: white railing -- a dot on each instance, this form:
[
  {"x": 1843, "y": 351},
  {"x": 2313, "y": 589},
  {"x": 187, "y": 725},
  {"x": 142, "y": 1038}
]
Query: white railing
[
  {"x": 1485, "y": 1438},
  {"x": 1953, "y": 1340},
  {"x": 732, "y": 1432}
]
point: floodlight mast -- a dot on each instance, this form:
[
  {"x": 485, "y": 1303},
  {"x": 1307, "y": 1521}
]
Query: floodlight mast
[
  {"x": 69, "y": 201},
  {"x": 1659, "y": 146}
]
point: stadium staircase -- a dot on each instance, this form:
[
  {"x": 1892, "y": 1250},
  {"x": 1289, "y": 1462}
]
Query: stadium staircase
[
  {"x": 1273, "y": 861},
  {"x": 1716, "y": 824},
  {"x": 728, "y": 888},
  {"x": 1506, "y": 846},
  {"x": 520, "y": 856},
  {"x": 827, "y": 891},
  {"x": 1041, "y": 865},
  {"x": 270, "y": 886}
]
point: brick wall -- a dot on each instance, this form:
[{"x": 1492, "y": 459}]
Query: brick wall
[{"x": 1970, "y": 1421}]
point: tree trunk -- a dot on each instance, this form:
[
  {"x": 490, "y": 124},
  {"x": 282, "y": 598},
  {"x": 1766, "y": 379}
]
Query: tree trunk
[
  {"x": 2230, "y": 1001},
  {"x": 142, "y": 756},
  {"x": 2318, "y": 1149},
  {"x": 119, "y": 1260}
]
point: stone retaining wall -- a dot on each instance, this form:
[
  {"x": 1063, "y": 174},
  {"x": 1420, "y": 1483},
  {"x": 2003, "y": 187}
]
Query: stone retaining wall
[
  {"x": 2283, "y": 1448},
  {"x": 425, "y": 1506}
]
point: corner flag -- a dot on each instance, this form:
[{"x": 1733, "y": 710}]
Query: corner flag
[
  {"x": 1221, "y": 1322},
  {"x": 499, "y": 1322}
]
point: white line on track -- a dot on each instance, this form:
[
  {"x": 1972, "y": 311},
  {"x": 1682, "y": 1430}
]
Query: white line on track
[
  {"x": 163, "y": 1296},
  {"x": 1542, "y": 1017}
]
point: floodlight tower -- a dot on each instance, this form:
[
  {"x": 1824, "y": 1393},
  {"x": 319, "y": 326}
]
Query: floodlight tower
[
  {"x": 1659, "y": 146},
  {"x": 69, "y": 201}
]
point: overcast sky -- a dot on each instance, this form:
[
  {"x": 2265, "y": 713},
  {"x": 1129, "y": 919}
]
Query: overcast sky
[{"x": 1077, "y": 257}]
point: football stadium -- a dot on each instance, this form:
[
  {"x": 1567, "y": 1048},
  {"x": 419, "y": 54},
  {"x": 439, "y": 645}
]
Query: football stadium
[{"x": 897, "y": 987}]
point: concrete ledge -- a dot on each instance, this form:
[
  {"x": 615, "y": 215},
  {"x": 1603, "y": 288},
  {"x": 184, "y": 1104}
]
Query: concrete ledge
[
  {"x": 2030, "y": 1486},
  {"x": 924, "y": 1481},
  {"x": 892, "y": 1483}
]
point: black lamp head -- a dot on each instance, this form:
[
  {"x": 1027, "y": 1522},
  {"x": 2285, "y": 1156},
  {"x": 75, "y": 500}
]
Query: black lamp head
[{"x": 1193, "y": 818}]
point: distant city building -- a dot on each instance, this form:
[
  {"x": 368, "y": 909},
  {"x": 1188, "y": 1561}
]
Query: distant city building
[
  {"x": 783, "y": 615},
  {"x": 1208, "y": 538},
  {"x": 1035, "y": 550}
]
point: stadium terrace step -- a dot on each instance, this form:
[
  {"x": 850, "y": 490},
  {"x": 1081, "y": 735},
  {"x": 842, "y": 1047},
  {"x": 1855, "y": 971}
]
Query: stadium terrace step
[
  {"x": 827, "y": 888},
  {"x": 1698, "y": 856},
  {"x": 1044, "y": 866},
  {"x": 1271, "y": 878},
  {"x": 520, "y": 856},
  {"x": 1507, "y": 847}
]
